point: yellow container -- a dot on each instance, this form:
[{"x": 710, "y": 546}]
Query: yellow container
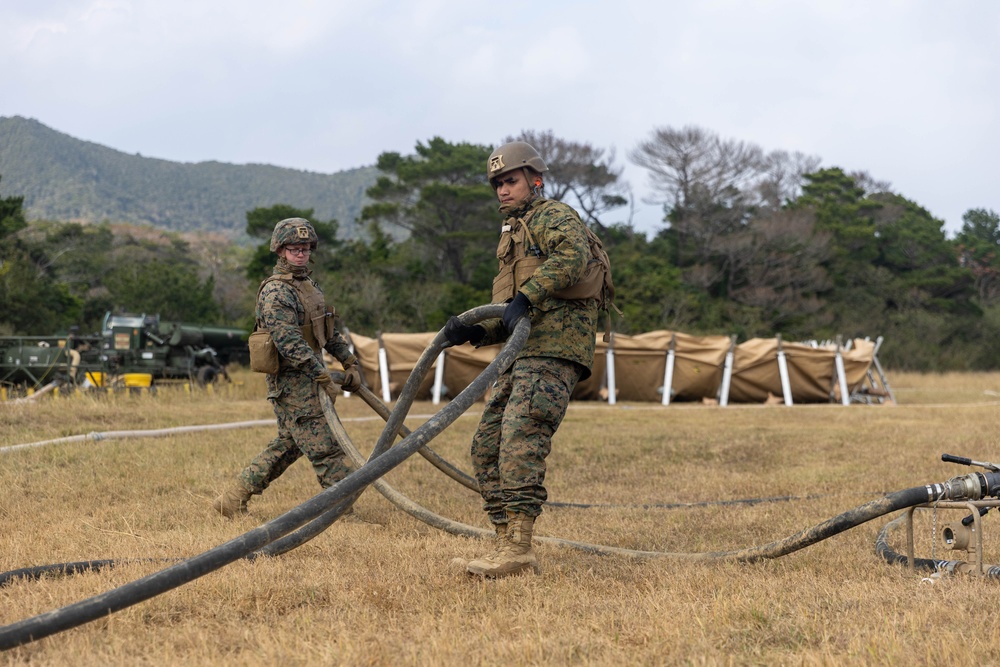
[
  {"x": 138, "y": 379},
  {"x": 96, "y": 378}
]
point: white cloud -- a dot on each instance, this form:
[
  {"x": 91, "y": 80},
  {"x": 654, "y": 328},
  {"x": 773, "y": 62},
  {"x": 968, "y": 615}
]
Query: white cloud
[{"x": 900, "y": 89}]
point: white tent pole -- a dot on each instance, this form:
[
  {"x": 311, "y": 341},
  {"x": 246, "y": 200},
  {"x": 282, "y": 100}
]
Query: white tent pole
[
  {"x": 727, "y": 373},
  {"x": 845, "y": 399},
  {"x": 610, "y": 355},
  {"x": 786, "y": 385},
  {"x": 438, "y": 378},
  {"x": 668, "y": 372},
  {"x": 383, "y": 369}
]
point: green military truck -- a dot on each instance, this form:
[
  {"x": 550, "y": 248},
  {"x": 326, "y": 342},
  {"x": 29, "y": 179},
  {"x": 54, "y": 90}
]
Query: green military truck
[{"x": 130, "y": 350}]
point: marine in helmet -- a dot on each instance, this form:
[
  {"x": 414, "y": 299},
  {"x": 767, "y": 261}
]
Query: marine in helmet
[
  {"x": 292, "y": 308},
  {"x": 293, "y": 231},
  {"x": 543, "y": 250}
]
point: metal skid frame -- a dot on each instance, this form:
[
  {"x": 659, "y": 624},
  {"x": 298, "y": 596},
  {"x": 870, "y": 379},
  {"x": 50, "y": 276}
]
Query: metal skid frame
[{"x": 973, "y": 507}]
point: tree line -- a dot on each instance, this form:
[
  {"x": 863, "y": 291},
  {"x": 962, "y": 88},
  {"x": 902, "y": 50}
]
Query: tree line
[{"x": 752, "y": 243}]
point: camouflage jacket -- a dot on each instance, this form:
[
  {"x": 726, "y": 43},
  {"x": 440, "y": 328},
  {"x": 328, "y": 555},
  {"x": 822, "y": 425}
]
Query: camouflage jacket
[
  {"x": 280, "y": 312},
  {"x": 559, "y": 328}
]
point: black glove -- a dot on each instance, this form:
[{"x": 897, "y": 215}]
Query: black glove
[
  {"x": 458, "y": 333},
  {"x": 515, "y": 310}
]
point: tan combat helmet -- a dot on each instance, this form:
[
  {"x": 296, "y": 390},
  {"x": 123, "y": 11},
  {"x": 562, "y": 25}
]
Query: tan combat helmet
[
  {"x": 515, "y": 155},
  {"x": 291, "y": 231}
]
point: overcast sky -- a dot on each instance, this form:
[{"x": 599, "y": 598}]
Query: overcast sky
[{"x": 907, "y": 91}]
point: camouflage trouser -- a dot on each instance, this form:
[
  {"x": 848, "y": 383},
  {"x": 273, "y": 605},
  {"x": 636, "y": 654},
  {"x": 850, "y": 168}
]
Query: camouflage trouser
[
  {"x": 525, "y": 408},
  {"x": 302, "y": 429}
]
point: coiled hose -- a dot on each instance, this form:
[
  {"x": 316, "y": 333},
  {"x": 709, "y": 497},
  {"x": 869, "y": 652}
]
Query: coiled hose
[{"x": 889, "y": 555}]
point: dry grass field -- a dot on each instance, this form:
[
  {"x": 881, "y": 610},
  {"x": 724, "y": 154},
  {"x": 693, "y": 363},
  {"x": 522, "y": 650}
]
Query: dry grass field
[{"x": 385, "y": 595}]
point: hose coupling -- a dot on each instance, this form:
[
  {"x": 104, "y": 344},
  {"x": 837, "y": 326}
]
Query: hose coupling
[{"x": 967, "y": 487}]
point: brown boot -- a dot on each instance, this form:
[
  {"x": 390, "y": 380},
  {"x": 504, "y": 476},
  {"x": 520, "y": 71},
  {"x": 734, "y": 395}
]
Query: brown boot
[
  {"x": 515, "y": 554},
  {"x": 233, "y": 501},
  {"x": 500, "y": 535}
]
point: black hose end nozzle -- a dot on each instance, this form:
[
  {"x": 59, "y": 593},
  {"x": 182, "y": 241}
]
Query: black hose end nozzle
[{"x": 961, "y": 460}]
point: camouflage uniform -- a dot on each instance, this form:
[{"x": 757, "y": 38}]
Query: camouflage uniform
[
  {"x": 293, "y": 392},
  {"x": 528, "y": 402}
]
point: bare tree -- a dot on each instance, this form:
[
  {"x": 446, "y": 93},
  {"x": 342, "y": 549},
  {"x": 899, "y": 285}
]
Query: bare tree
[
  {"x": 783, "y": 176},
  {"x": 692, "y": 162}
]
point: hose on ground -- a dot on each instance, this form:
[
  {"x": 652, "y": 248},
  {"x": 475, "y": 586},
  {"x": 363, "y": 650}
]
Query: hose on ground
[
  {"x": 39, "y": 571},
  {"x": 76, "y": 614},
  {"x": 850, "y": 519},
  {"x": 838, "y": 524},
  {"x": 394, "y": 418},
  {"x": 98, "y": 436},
  {"x": 300, "y": 524},
  {"x": 889, "y": 555},
  {"x": 892, "y": 557}
]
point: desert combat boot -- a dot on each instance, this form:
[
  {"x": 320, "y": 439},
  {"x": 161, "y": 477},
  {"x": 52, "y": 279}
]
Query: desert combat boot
[
  {"x": 515, "y": 554},
  {"x": 500, "y": 535},
  {"x": 233, "y": 501}
]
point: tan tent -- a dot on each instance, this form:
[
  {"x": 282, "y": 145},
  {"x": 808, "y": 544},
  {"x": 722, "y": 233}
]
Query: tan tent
[
  {"x": 812, "y": 371},
  {"x": 401, "y": 351},
  {"x": 641, "y": 365},
  {"x": 759, "y": 370}
]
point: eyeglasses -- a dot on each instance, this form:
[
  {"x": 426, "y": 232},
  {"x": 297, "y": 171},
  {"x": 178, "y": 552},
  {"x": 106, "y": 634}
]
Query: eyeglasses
[{"x": 298, "y": 251}]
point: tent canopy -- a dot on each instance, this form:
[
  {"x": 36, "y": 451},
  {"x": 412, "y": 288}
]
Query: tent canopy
[{"x": 696, "y": 368}]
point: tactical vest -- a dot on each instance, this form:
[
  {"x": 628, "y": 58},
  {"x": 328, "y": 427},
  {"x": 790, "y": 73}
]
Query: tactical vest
[
  {"x": 319, "y": 323},
  {"x": 520, "y": 256}
]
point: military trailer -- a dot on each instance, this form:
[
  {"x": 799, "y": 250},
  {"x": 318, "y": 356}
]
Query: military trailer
[{"x": 33, "y": 361}]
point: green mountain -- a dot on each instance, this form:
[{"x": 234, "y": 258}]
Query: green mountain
[{"x": 68, "y": 179}]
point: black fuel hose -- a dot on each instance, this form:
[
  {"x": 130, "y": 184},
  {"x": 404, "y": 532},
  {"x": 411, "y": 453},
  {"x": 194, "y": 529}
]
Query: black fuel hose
[
  {"x": 838, "y": 524},
  {"x": 76, "y": 614},
  {"x": 975, "y": 485},
  {"x": 39, "y": 571},
  {"x": 315, "y": 515},
  {"x": 435, "y": 459},
  {"x": 394, "y": 419},
  {"x": 893, "y": 557}
]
